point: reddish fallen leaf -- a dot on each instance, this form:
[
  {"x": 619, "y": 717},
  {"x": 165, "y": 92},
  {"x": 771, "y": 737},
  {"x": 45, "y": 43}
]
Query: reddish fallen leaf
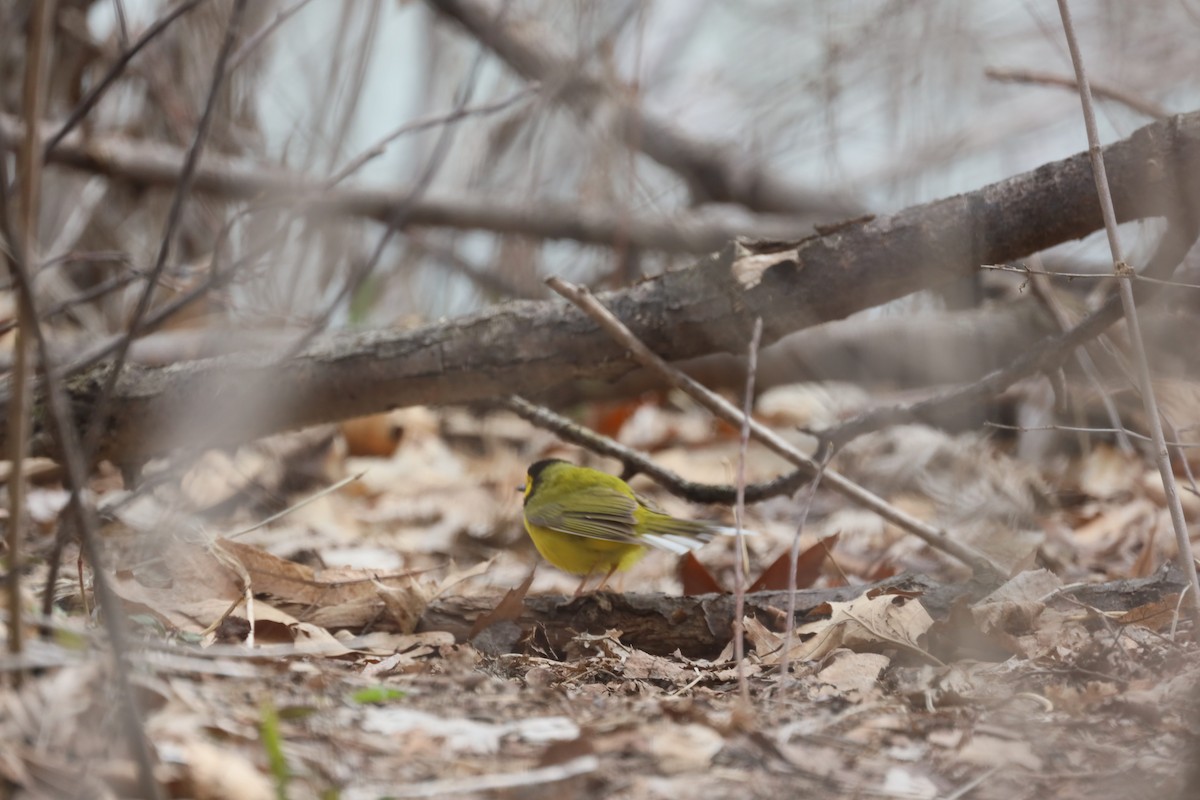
[
  {"x": 608, "y": 418},
  {"x": 882, "y": 572},
  {"x": 808, "y": 568},
  {"x": 1155, "y": 616},
  {"x": 269, "y": 631},
  {"x": 723, "y": 430},
  {"x": 376, "y": 435},
  {"x": 696, "y": 578},
  {"x": 510, "y": 607}
]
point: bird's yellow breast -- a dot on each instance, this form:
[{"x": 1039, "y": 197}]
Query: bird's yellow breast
[{"x": 582, "y": 555}]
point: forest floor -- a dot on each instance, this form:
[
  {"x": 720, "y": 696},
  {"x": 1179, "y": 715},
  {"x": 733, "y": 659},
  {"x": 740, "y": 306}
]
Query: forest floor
[{"x": 368, "y": 674}]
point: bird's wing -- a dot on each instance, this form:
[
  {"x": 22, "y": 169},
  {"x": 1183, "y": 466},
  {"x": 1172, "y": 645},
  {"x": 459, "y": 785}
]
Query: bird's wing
[{"x": 597, "y": 512}]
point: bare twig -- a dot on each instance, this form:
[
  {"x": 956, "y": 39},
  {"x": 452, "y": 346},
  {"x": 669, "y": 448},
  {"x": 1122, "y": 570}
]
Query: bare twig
[
  {"x": 722, "y": 408},
  {"x": 89, "y": 101},
  {"x": 711, "y": 171},
  {"x": 258, "y": 37},
  {"x": 174, "y": 215},
  {"x": 362, "y": 51},
  {"x": 794, "y": 554},
  {"x": 122, "y": 22},
  {"x": 1023, "y": 270},
  {"x": 635, "y": 462},
  {"x": 524, "y": 782},
  {"x": 739, "y": 512},
  {"x": 1089, "y": 429},
  {"x": 1123, "y": 271},
  {"x": 217, "y": 276},
  {"x": 489, "y": 281},
  {"x": 1050, "y": 79},
  {"x": 972, "y": 784},
  {"x": 41, "y": 33},
  {"x": 424, "y": 123},
  {"x": 328, "y": 490}
]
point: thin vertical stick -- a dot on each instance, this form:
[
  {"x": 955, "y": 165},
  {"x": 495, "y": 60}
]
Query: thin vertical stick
[
  {"x": 60, "y": 412},
  {"x": 739, "y": 511},
  {"x": 33, "y": 99},
  {"x": 1125, "y": 274},
  {"x": 790, "y": 630}
]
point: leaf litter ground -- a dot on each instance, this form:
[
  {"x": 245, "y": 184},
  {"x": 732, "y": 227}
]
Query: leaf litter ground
[{"x": 363, "y": 645}]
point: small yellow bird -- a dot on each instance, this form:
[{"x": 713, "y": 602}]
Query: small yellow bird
[{"x": 586, "y": 521}]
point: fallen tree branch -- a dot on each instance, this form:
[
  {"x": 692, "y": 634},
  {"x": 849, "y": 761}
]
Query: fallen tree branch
[
  {"x": 700, "y": 626},
  {"x": 1048, "y": 355},
  {"x": 888, "y": 350},
  {"x": 711, "y": 307}
]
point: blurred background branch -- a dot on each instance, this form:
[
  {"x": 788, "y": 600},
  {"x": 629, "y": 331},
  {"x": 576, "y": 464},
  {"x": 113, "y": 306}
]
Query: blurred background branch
[{"x": 608, "y": 143}]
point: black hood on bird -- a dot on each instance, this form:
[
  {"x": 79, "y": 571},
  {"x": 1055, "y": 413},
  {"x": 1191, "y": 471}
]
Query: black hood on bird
[{"x": 538, "y": 467}]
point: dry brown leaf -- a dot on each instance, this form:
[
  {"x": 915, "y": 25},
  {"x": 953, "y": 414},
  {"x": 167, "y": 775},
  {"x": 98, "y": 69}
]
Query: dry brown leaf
[
  {"x": 332, "y": 598},
  {"x": 678, "y": 749},
  {"x": 374, "y": 435},
  {"x": 764, "y": 641},
  {"x": 273, "y": 626},
  {"x": 187, "y": 588},
  {"x": 808, "y": 567},
  {"x": 1014, "y": 607},
  {"x": 696, "y": 578},
  {"x": 221, "y": 773},
  {"x": 1152, "y": 485},
  {"x": 1080, "y": 699},
  {"x": 1108, "y": 531},
  {"x": 1106, "y": 472},
  {"x": 510, "y": 607},
  {"x": 992, "y": 751},
  {"x": 1058, "y": 633},
  {"x": 1156, "y": 616},
  {"x": 848, "y": 671},
  {"x": 403, "y": 652},
  {"x": 1012, "y": 549},
  {"x": 462, "y": 735},
  {"x": 218, "y": 475},
  {"x": 866, "y": 623},
  {"x": 810, "y": 405}
]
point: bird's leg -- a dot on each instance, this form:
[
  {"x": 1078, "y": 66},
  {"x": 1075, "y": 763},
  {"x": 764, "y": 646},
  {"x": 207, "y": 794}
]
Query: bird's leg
[
  {"x": 611, "y": 570},
  {"x": 582, "y": 584}
]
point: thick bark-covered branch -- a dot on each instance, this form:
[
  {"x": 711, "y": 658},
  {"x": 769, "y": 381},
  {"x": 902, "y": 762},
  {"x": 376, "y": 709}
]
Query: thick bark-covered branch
[{"x": 533, "y": 347}]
